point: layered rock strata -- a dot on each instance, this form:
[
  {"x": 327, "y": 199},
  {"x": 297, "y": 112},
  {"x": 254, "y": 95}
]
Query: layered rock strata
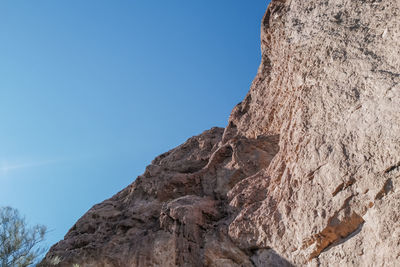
[{"x": 307, "y": 171}]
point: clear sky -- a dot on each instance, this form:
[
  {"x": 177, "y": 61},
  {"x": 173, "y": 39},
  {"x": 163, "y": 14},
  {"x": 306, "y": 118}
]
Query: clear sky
[{"x": 91, "y": 91}]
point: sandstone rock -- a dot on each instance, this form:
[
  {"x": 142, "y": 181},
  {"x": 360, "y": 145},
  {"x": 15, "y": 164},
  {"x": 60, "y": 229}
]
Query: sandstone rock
[
  {"x": 176, "y": 214},
  {"x": 307, "y": 171}
]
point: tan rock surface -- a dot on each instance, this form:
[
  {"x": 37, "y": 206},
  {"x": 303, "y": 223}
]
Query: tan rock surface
[{"x": 306, "y": 173}]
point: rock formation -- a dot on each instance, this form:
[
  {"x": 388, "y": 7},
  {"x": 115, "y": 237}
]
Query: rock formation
[{"x": 307, "y": 172}]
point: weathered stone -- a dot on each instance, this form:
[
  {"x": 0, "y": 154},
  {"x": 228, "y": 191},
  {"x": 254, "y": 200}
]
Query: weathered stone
[{"x": 306, "y": 173}]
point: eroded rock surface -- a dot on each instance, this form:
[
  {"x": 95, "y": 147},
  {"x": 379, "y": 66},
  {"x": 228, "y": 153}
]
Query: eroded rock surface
[
  {"x": 306, "y": 173},
  {"x": 176, "y": 213}
]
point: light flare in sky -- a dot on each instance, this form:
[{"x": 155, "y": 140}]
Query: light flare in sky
[{"x": 6, "y": 167}]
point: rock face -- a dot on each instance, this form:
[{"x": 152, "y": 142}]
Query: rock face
[{"x": 307, "y": 172}]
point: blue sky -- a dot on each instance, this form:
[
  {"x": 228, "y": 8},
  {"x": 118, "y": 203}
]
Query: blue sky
[{"x": 91, "y": 91}]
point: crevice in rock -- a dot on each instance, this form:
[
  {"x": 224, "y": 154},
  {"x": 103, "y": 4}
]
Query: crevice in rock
[
  {"x": 310, "y": 176},
  {"x": 390, "y": 73},
  {"x": 387, "y": 187},
  {"x": 343, "y": 186},
  {"x": 393, "y": 167}
]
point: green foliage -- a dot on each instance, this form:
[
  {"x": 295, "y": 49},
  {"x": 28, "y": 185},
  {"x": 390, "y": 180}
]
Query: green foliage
[{"x": 18, "y": 242}]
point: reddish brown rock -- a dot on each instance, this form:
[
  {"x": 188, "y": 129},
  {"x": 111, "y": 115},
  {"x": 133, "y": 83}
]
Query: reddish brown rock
[
  {"x": 176, "y": 214},
  {"x": 306, "y": 172}
]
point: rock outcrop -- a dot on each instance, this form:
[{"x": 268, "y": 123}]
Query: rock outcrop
[{"x": 307, "y": 172}]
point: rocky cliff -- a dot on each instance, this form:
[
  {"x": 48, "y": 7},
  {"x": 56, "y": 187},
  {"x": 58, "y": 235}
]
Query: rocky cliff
[{"x": 307, "y": 172}]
